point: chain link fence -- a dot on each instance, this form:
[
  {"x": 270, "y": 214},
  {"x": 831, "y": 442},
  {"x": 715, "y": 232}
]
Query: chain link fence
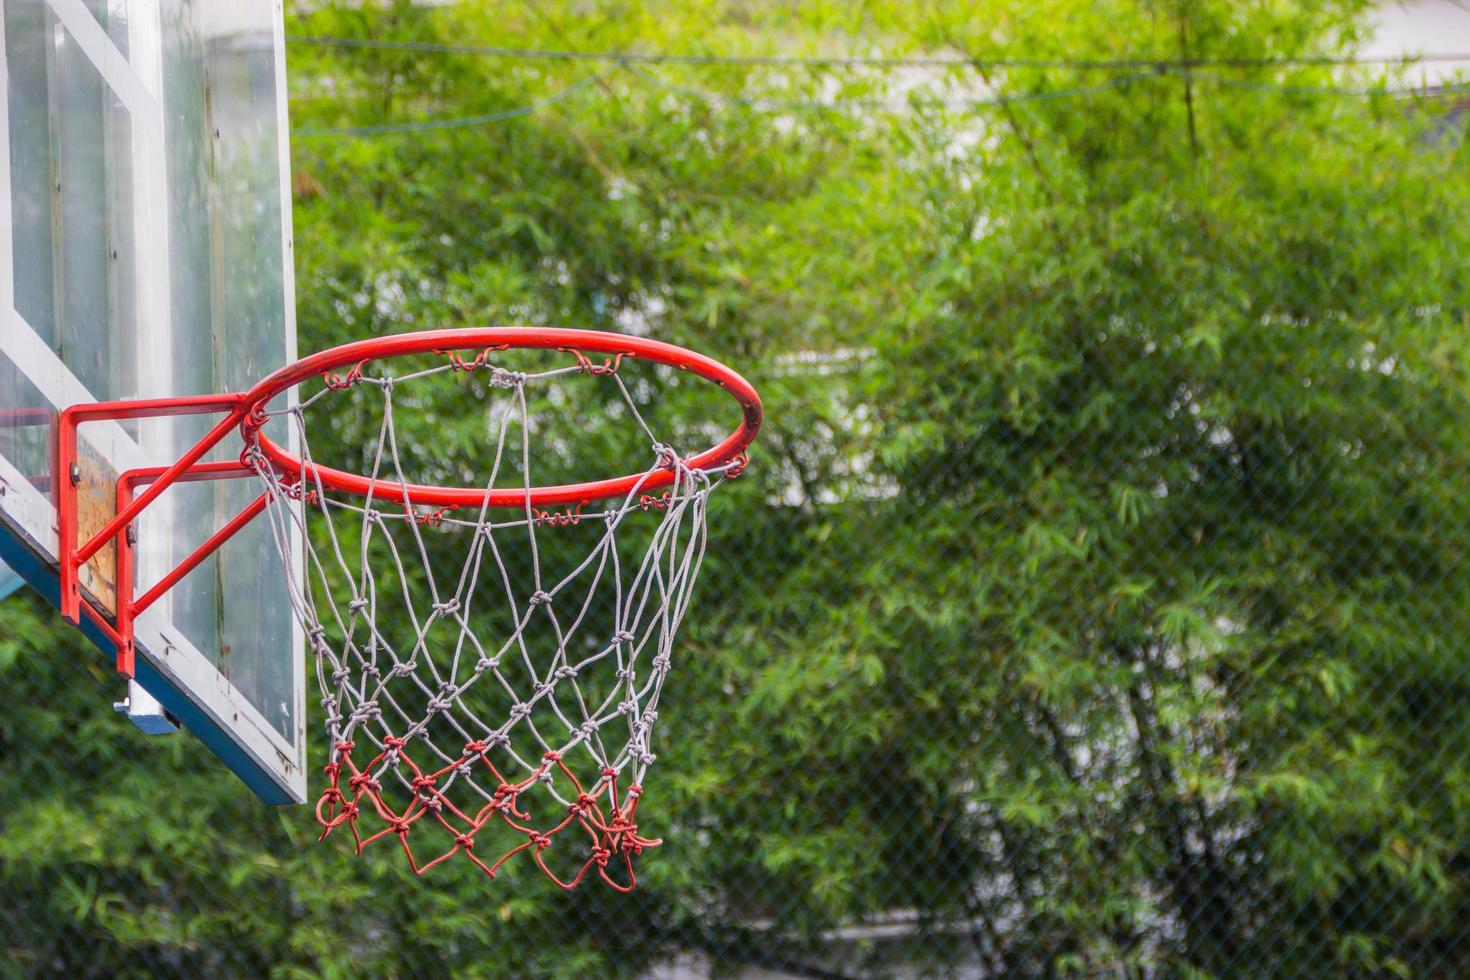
[
  {"x": 1208, "y": 746},
  {"x": 1095, "y": 602}
]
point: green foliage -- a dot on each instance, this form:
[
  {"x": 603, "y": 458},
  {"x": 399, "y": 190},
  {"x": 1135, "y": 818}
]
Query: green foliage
[{"x": 1097, "y": 583}]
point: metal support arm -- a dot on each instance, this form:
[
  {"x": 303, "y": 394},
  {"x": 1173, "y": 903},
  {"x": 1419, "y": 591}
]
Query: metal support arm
[{"x": 188, "y": 469}]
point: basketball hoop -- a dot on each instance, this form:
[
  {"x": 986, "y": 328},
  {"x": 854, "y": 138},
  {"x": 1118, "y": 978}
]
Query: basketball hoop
[{"x": 497, "y": 701}]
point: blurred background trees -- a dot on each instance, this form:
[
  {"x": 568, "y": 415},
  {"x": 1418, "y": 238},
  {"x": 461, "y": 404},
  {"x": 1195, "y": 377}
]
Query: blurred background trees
[{"x": 1094, "y": 603}]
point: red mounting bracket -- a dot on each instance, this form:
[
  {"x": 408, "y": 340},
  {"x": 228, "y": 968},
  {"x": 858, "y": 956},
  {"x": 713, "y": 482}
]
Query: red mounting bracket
[{"x": 189, "y": 468}]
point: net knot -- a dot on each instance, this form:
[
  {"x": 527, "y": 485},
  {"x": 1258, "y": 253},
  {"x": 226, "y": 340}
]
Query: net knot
[
  {"x": 565, "y": 671},
  {"x": 551, "y": 758},
  {"x": 542, "y": 689},
  {"x": 464, "y": 842},
  {"x": 539, "y": 598},
  {"x": 445, "y": 699},
  {"x": 624, "y": 831},
  {"x": 661, "y": 663},
  {"x": 624, "y": 636},
  {"x": 609, "y": 773},
  {"x": 363, "y": 781},
  {"x": 399, "y": 826},
  {"x": 665, "y": 456},
  {"x": 486, "y": 663},
  {"x": 501, "y": 378},
  {"x": 344, "y": 747},
  {"x": 370, "y": 670},
  {"x": 403, "y": 669},
  {"x": 519, "y": 711},
  {"x": 644, "y": 756},
  {"x": 542, "y": 841},
  {"x": 341, "y": 675},
  {"x": 391, "y": 742},
  {"x": 581, "y": 804},
  {"x": 626, "y": 674},
  {"x": 422, "y": 784},
  {"x": 357, "y": 605},
  {"x": 365, "y": 711},
  {"x": 601, "y": 855},
  {"x": 474, "y": 748},
  {"x": 586, "y": 730},
  {"x": 447, "y": 608},
  {"x": 627, "y": 707}
]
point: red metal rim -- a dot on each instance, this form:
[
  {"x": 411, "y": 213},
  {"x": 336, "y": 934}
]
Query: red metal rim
[{"x": 477, "y": 339}]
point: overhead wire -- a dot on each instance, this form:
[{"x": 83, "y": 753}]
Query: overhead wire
[
  {"x": 1433, "y": 91},
  {"x": 633, "y": 65},
  {"x": 769, "y": 105},
  {"x": 426, "y": 125},
  {"x": 877, "y": 61},
  {"x": 757, "y": 105}
]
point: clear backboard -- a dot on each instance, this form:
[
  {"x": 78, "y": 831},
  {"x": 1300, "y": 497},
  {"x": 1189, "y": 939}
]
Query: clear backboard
[{"x": 146, "y": 252}]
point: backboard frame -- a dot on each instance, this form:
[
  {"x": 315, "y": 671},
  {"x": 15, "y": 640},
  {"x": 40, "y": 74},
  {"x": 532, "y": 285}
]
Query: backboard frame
[{"x": 168, "y": 666}]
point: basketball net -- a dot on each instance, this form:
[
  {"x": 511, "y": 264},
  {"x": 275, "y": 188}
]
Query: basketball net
[{"x": 480, "y": 706}]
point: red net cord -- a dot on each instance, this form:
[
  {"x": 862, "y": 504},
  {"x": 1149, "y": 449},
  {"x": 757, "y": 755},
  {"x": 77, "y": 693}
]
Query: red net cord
[{"x": 608, "y": 822}]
